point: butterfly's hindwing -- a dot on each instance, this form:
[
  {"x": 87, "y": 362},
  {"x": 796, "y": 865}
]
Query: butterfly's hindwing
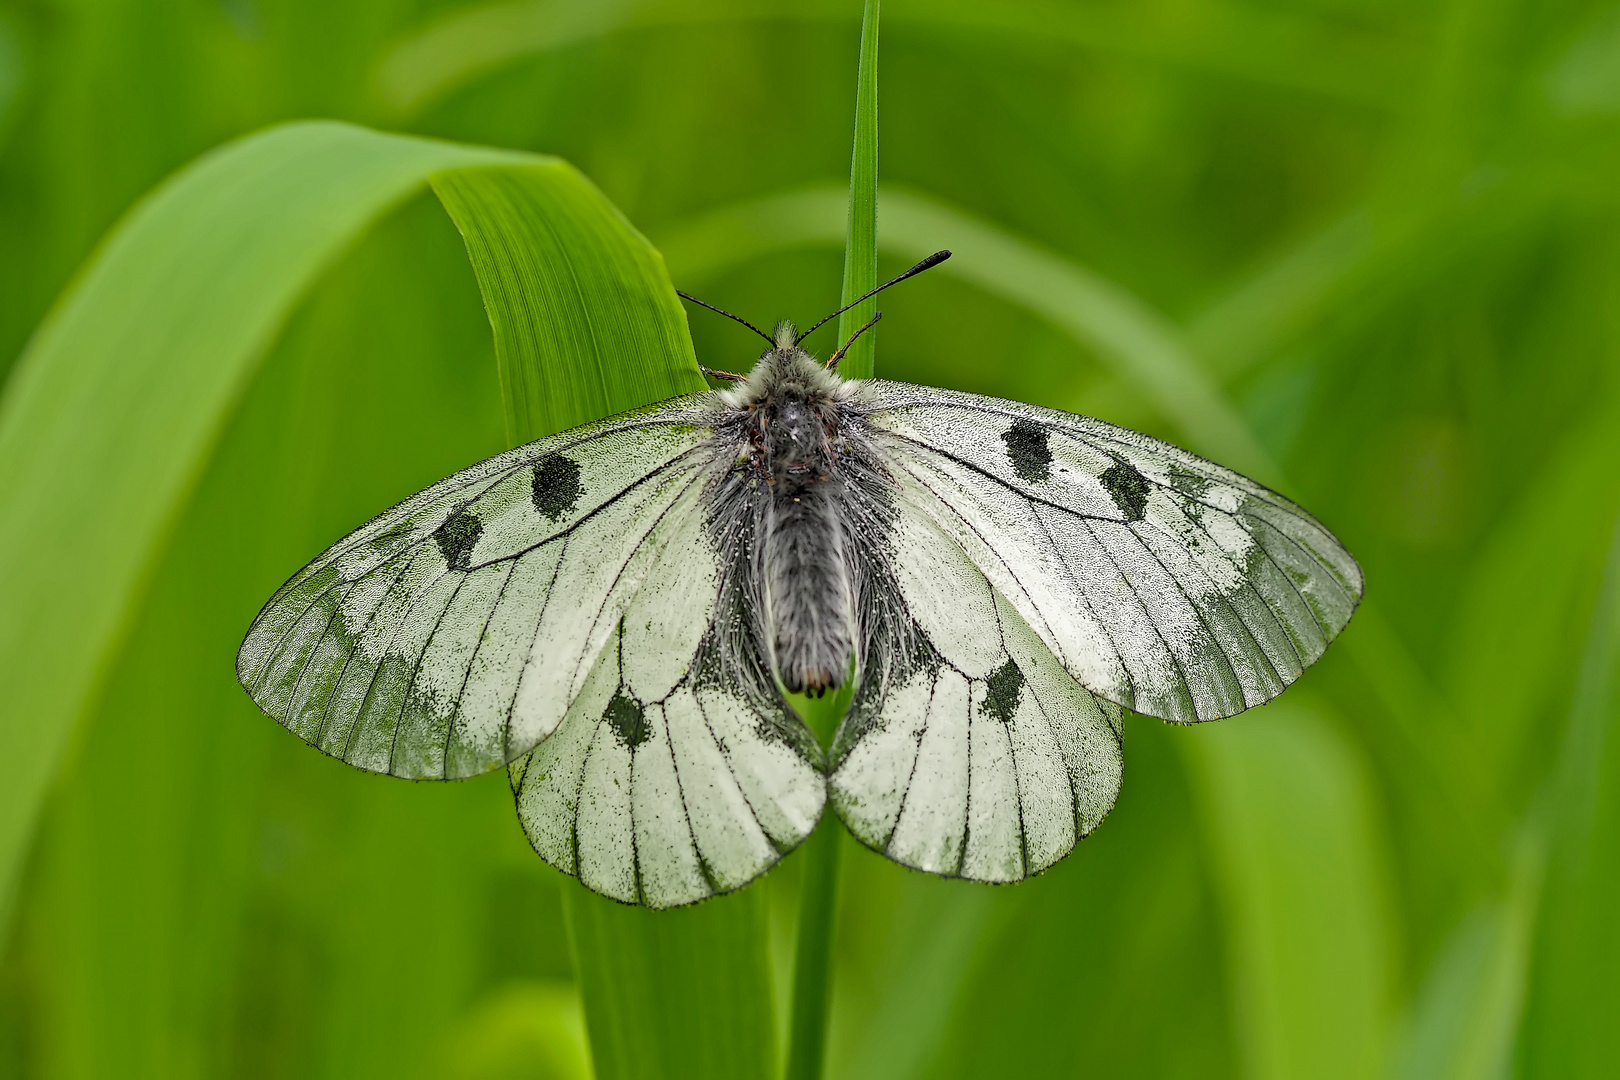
[
  {"x": 666, "y": 801},
  {"x": 450, "y": 634},
  {"x": 976, "y": 755},
  {"x": 1162, "y": 582}
]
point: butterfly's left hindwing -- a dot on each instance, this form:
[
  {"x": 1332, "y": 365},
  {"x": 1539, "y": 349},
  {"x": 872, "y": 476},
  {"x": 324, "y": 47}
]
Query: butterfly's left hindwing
[
  {"x": 668, "y": 782},
  {"x": 969, "y": 751},
  {"x": 678, "y": 773}
]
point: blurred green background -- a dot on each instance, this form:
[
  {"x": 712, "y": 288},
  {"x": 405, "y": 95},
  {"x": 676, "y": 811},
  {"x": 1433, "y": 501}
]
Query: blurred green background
[{"x": 1364, "y": 249}]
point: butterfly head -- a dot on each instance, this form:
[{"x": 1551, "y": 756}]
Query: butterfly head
[{"x": 787, "y": 371}]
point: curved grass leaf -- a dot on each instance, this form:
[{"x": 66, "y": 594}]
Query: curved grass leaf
[
  {"x": 606, "y": 336},
  {"x": 113, "y": 409},
  {"x": 587, "y": 324}
]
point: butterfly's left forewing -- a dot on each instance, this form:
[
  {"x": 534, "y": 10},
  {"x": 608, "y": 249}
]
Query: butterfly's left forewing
[
  {"x": 1161, "y": 581},
  {"x": 450, "y": 634},
  {"x": 969, "y": 751}
]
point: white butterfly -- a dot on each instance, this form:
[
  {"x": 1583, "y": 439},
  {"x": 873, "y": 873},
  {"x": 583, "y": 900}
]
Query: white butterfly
[{"x": 614, "y": 611}]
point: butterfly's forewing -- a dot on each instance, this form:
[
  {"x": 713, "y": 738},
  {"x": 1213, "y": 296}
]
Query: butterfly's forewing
[
  {"x": 976, "y": 755},
  {"x": 450, "y": 634},
  {"x": 668, "y": 781},
  {"x": 1161, "y": 581}
]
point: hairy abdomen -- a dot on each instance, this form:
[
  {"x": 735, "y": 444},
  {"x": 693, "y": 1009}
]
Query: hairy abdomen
[{"x": 808, "y": 592}]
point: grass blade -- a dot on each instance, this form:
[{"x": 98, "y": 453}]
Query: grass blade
[
  {"x": 1569, "y": 1029},
  {"x": 587, "y": 324},
  {"x": 1287, "y": 806},
  {"x": 121, "y": 395},
  {"x": 860, "y": 245}
]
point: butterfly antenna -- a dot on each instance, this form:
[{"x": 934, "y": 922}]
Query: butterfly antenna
[
  {"x": 927, "y": 264},
  {"x": 832, "y": 361},
  {"x": 727, "y": 314}
]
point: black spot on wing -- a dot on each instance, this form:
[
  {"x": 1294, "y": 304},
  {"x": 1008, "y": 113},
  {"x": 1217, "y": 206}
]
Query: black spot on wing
[
  {"x": 1027, "y": 450},
  {"x": 627, "y": 718},
  {"x": 1002, "y": 690},
  {"x": 1128, "y": 488},
  {"x": 556, "y": 485},
  {"x": 456, "y": 538}
]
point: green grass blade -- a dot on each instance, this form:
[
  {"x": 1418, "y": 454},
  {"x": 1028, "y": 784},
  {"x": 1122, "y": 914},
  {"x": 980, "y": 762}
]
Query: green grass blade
[
  {"x": 1569, "y": 1028},
  {"x": 114, "y": 408},
  {"x": 587, "y": 324},
  {"x": 861, "y": 243},
  {"x": 673, "y": 994},
  {"x": 1298, "y": 864}
]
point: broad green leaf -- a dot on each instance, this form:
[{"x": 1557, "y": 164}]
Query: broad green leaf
[
  {"x": 674, "y": 994},
  {"x": 197, "y": 865},
  {"x": 1289, "y": 824},
  {"x": 587, "y": 324},
  {"x": 1465, "y": 1020},
  {"x": 111, "y": 413},
  {"x": 574, "y": 286}
]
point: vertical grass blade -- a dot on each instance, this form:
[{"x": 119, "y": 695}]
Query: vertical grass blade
[
  {"x": 119, "y": 399},
  {"x": 1574, "y": 997},
  {"x": 818, "y": 899},
  {"x": 674, "y": 994},
  {"x": 586, "y": 324},
  {"x": 1300, "y": 871},
  {"x": 860, "y": 248}
]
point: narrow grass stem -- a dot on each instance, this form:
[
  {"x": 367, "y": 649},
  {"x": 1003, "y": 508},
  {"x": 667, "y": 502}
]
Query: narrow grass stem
[{"x": 812, "y": 982}]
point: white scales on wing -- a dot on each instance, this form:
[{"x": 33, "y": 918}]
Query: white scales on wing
[{"x": 617, "y": 611}]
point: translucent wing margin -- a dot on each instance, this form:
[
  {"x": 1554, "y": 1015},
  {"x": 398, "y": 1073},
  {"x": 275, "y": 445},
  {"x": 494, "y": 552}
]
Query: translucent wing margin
[
  {"x": 969, "y": 751},
  {"x": 450, "y": 634},
  {"x": 1159, "y": 580}
]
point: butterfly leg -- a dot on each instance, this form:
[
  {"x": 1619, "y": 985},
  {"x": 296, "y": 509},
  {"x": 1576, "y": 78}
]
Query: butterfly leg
[{"x": 723, "y": 376}]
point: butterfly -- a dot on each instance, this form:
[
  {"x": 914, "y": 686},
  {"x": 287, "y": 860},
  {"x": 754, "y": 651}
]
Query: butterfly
[{"x": 615, "y": 613}]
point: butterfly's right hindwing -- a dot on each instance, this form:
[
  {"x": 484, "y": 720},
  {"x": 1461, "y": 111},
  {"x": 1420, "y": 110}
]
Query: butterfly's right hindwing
[
  {"x": 969, "y": 751},
  {"x": 450, "y": 634}
]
